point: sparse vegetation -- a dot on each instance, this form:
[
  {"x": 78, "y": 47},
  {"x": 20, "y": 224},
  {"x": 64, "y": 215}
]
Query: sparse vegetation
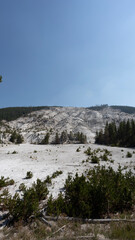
[{"x": 95, "y": 157}]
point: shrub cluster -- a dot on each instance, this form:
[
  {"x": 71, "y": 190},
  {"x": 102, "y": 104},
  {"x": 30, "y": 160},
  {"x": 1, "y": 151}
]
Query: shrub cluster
[
  {"x": 95, "y": 157},
  {"x": 101, "y": 192}
]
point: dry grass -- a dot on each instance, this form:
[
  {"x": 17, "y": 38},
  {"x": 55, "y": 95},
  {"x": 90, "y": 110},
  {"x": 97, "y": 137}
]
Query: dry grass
[{"x": 63, "y": 230}]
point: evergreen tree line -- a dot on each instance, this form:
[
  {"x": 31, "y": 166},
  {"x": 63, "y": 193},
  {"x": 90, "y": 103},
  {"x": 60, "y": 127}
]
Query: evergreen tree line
[
  {"x": 64, "y": 137},
  {"x": 12, "y": 113},
  {"x": 126, "y": 109},
  {"x": 122, "y": 135}
]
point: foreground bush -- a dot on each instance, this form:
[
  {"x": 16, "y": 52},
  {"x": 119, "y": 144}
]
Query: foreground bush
[
  {"x": 23, "y": 208},
  {"x": 101, "y": 192}
]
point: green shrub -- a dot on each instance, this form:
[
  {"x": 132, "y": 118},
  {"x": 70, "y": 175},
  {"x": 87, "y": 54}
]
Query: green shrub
[
  {"x": 56, "y": 207},
  {"x": 40, "y": 189},
  {"x": 56, "y": 174},
  {"x": 88, "y": 151},
  {"x": 129, "y": 155},
  {"x": 48, "y": 180},
  {"x": 94, "y": 159},
  {"x": 104, "y": 157},
  {"x": 14, "y": 152},
  {"x": 22, "y": 187},
  {"x": 22, "y": 209},
  {"x": 78, "y": 149},
  {"x": 29, "y": 175}
]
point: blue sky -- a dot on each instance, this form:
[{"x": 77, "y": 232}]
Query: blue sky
[{"x": 67, "y": 52}]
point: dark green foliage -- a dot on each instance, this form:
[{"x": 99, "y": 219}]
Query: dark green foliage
[
  {"x": 14, "y": 152},
  {"x": 22, "y": 187},
  {"x": 98, "y": 107},
  {"x": 19, "y": 139},
  {"x": 46, "y": 139},
  {"x": 63, "y": 137},
  {"x": 12, "y": 113},
  {"x": 56, "y": 174},
  {"x": 16, "y": 138},
  {"x": 23, "y": 208},
  {"x": 122, "y": 135},
  {"x": 56, "y": 207},
  {"x": 4, "y": 182},
  {"x": 80, "y": 138},
  {"x": 29, "y": 175},
  {"x": 94, "y": 159},
  {"x": 13, "y": 137},
  {"x": 48, "y": 180},
  {"x": 101, "y": 192},
  {"x": 0, "y": 78},
  {"x": 57, "y": 139},
  {"x": 104, "y": 157},
  {"x": 88, "y": 151},
  {"x": 41, "y": 189},
  {"x": 129, "y": 155},
  {"x": 78, "y": 149},
  {"x": 126, "y": 109}
]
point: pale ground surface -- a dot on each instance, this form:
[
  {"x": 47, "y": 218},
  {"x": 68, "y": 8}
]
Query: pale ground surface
[{"x": 44, "y": 160}]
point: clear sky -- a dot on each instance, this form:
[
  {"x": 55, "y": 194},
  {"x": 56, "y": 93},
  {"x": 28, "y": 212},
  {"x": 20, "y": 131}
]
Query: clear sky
[{"x": 67, "y": 52}]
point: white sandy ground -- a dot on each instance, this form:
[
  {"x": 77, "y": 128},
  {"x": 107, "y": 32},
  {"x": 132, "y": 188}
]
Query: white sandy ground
[{"x": 49, "y": 158}]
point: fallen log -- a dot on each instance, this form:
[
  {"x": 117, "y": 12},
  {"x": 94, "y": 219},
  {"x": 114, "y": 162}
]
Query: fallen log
[{"x": 104, "y": 221}]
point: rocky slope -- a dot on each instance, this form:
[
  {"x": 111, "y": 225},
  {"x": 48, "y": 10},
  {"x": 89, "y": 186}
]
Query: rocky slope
[{"x": 58, "y": 119}]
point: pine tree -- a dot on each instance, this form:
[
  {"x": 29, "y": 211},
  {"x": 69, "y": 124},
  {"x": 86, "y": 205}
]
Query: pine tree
[{"x": 57, "y": 139}]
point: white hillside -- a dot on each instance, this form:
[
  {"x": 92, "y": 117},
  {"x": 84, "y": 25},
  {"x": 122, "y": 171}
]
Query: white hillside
[{"x": 58, "y": 119}]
